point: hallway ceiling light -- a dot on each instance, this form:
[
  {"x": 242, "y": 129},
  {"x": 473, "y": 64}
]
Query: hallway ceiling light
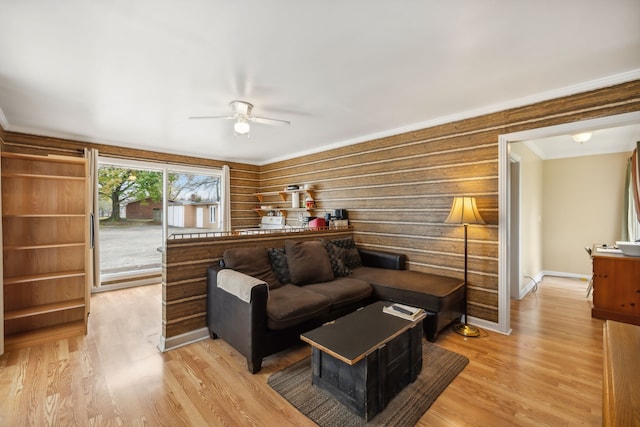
[{"x": 581, "y": 137}]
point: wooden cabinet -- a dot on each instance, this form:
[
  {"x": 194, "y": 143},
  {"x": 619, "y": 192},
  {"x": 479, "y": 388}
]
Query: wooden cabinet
[
  {"x": 620, "y": 388},
  {"x": 45, "y": 232},
  {"x": 616, "y": 287}
]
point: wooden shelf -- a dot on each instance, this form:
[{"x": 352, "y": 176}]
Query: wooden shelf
[
  {"x": 37, "y": 336},
  {"x": 37, "y": 277},
  {"x": 45, "y": 216},
  {"x": 50, "y": 158},
  {"x": 283, "y": 211},
  {"x": 44, "y": 309},
  {"x": 39, "y": 176},
  {"x": 45, "y": 246},
  {"x": 282, "y": 194}
]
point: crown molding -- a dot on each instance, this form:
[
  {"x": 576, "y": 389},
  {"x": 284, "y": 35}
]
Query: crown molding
[{"x": 515, "y": 103}]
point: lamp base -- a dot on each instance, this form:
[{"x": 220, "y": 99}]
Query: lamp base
[{"x": 466, "y": 330}]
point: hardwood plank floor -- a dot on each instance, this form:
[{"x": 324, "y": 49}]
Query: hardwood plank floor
[{"x": 547, "y": 372}]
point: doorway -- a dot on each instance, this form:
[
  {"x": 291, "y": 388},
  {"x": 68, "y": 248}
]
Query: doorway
[
  {"x": 507, "y": 264},
  {"x": 130, "y": 231}
]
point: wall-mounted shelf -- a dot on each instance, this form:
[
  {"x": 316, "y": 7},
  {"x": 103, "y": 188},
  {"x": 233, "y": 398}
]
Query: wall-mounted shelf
[
  {"x": 283, "y": 211},
  {"x": 283, "y": 194}
]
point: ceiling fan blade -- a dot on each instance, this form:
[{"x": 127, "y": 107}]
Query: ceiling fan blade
[
  {"x": 213, "y": 117},
  {"x": 266, "y": 121}
]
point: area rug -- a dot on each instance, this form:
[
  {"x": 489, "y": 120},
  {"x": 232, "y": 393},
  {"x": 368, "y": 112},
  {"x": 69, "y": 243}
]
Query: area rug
[{"x": 439, "y": 368}]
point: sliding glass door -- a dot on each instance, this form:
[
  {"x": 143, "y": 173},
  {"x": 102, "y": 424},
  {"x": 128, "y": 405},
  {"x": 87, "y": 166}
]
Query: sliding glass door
[{"x": 139, "y": 205}]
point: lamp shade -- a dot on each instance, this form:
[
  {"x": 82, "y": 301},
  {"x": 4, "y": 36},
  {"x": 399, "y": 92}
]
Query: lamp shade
[{"x": 464, "y": 211}]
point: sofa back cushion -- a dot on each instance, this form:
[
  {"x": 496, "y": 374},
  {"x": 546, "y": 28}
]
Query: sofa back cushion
[
  {"x": 253, "y": 261},
  {"x": 336, "y": 257},
  {"x": 352, "y": 256},
  {"x": 308, "y": 262},
  {"x": 279, "y": 264}
]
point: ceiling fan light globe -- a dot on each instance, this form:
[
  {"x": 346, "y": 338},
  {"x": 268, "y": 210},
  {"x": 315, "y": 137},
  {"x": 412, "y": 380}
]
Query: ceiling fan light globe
[{"x": 241, "y": 127}]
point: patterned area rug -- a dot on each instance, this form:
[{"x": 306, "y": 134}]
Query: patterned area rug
[{"x": 439, "y": 368}]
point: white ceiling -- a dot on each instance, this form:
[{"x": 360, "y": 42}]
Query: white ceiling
[
  {"x": 129, "y": 73},
  {"x": 619, "y": 139}
]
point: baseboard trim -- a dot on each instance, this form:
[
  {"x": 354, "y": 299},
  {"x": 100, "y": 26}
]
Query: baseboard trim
[
  {"x": 487, "y": 325},
  {"x": 568, "y": 275},
  {"x": 196, "y": 335}
]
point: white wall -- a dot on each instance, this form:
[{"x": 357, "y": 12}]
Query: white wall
[
  {"x": 531, "y": 213},
  {"x": 582, "y": 205}
]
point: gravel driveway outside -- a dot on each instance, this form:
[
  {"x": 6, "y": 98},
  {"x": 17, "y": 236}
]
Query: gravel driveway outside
[{"x": 133, "y": 247}]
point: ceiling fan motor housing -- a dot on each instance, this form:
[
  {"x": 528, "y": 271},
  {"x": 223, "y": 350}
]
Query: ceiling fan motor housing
[{"x": 241, "y": 108}]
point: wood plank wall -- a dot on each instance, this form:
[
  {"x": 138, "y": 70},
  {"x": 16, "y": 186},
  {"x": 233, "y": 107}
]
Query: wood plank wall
[{"x": 398, "y": 190}]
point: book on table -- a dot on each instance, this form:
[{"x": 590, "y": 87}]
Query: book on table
[{"x": 405, "y": 311}]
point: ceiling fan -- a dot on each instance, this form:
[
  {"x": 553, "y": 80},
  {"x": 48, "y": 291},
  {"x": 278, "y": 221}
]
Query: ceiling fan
[{"x": 242, "y": 116}]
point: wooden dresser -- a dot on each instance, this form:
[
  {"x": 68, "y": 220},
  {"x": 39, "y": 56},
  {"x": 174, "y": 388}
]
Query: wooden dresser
[
  {"x": 621, "y": 375},
  {"x": 616, "y": 287}
]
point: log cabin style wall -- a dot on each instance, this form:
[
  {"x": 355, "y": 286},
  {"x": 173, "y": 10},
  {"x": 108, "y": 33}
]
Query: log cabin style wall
[{"x": 398, "y": 191}]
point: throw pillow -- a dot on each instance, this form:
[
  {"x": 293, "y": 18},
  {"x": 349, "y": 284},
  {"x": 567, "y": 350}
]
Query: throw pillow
[
  {"x": 279, "y": 264},
  {"x": 336, "y": 256},
  {"x": 352, "y": 256},
  {"x": 253, "y": 261},
  {"x": 308, "y": 262}
]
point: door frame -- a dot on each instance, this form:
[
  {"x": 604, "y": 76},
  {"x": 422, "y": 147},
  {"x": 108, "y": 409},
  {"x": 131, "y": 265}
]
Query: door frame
[{"x": 504, "y": 219}]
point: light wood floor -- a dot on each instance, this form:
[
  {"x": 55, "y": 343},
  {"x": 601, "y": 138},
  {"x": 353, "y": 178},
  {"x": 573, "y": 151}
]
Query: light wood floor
[{"x": 547, "y": 372}]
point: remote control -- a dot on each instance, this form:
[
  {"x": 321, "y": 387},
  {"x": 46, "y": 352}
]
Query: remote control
[{"x": 402, "y": 310}]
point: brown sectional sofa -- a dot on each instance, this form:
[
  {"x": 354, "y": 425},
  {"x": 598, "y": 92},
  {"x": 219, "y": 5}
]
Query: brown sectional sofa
[{"x": 267, "y": 297}]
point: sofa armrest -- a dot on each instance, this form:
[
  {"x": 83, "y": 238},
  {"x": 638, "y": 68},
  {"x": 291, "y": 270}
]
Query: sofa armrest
[
  {"x": 241, "y": 324},
  {"x": 237, "y": 283},
  {"x": 380, "y": 259}
]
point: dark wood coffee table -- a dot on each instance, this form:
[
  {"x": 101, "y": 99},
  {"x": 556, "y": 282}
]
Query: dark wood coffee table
[{"x": 366, "y": 358}]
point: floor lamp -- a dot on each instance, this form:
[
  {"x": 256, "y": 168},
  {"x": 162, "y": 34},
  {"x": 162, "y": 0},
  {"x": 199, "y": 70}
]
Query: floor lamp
[{"x": 465, "y": 211}]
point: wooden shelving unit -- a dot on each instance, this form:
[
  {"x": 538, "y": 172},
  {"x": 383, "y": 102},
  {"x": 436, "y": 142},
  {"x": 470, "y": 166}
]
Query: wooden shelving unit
[{"x": 45, "y": 248}]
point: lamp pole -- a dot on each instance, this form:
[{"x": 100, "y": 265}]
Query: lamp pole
[{"x": 464, "y": 211}]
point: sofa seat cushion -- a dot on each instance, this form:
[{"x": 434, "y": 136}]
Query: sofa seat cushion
[
  {"x": 290, "y": 305},
  {"x": 429, "y": 291},
  {"x": 342, "y": 290}
]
